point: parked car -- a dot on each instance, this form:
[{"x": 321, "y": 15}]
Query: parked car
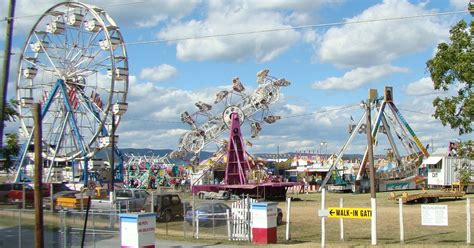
[
  {"x": 216, "y": 211},
  {"x": 132, "y": 200},
  {"x": 221, "y": 195},
  {"x": 5, "y": 189},
  {"x": 167, "y": 206},
  {"x": 207, "y": 212},
  {"x": 67, "y": 193},
  {"x": 16, "y": 195}
]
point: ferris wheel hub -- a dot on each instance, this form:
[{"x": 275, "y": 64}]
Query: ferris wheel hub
[{"x": 227, "y": 114}]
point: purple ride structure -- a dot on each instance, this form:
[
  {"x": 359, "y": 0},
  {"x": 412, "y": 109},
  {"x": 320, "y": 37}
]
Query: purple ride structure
[{"x": 238, "y": 172}]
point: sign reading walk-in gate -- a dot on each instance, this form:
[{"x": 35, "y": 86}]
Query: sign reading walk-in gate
[{"x": 350, "y": 213}]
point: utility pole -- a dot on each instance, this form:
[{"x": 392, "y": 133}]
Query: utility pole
[
  {"x": 39, "y": 238},
  {"x": 112, "y": 164},
  {"x": 112, "y": 157},
  {"x": 370, "y": 154},
  {"x": 278, "y": 154},
  {"x": 6, "y": 66}
]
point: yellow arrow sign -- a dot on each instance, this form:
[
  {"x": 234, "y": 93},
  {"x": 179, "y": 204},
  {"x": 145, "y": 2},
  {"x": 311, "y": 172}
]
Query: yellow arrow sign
[{"x": 352, "y": 213}]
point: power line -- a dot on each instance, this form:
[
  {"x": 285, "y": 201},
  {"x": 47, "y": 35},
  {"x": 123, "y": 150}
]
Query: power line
[
  {"x": 300, "y": 27},
  {"x": 148, "y": 120},
  {"x": 275, "y": 29},
  {"x": 320, "y": 111},
  {"x": 283, "y": 117},
  {"x": 271, "y": 30},
  {"x": 414, "y": 111}
]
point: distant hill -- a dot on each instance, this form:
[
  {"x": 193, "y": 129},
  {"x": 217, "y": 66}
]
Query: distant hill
[
  {"x": 205, "y": 155},
  {"x": 293, "y": 154}
]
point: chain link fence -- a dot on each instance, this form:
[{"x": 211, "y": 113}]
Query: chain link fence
[
  {"x": 200, "y": 219},
  {"x": 217, "y": 219}
]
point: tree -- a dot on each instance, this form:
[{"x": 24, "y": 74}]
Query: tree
[
  {"x": 466, "y": 149},
  {"x": 453, "y": 67},
  {"x": 10, "y": 110},
  {"x": 12, "y": 148},
  {"x": 464, "y": 174}
]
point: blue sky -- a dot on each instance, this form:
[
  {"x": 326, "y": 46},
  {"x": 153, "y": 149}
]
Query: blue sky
[{"x": 330, "y": 67}]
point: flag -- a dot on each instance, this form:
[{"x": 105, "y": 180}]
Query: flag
[
  {"x": 95, "y": 97},
  {"x": 44, "y": 98},
  {"x": 73, "y": 100}
]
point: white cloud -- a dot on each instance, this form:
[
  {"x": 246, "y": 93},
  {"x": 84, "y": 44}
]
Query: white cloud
[
  {"x": 459, "y": 4},
  {"x": 261, "y": 47},
  {"x": 421, "y": 87},
  {"x": 226, "y": 17},
  {"x": 298, "y": 5},
  {"x": 153, "y": 122},
  {"x": 295, "y": 109},
  {"x": 153, "y": 21},
  {"x": 159, "y": 73},
  {"x": 368, "y": 44},
  {"x": 141, "y": 14},
  {"x": 357, "y": 77}
]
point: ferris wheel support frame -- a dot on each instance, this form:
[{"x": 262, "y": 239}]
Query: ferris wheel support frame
[{"x": 58, "y": 86}]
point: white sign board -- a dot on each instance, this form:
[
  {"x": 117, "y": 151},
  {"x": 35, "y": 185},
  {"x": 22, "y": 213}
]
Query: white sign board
[
  {"x": 434, "y": 215},
  {"x": 264, "y": 215},
  {"x": 137, "y": 230}
]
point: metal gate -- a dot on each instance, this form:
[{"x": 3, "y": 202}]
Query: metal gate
[{"x": 241, "y": 219}]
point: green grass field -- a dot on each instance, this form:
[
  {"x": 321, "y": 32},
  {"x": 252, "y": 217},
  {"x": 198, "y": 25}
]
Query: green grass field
[{"x": 306, "y": 225}]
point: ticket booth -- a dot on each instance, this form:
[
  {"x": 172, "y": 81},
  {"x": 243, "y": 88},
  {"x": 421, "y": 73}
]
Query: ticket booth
[
  {"x": 264, "y": 222},
  {"x": 137, "y": 230}
]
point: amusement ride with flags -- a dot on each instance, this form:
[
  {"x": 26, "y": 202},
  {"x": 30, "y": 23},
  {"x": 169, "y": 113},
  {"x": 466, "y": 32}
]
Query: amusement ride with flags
[{"x": 74, "y": 63}]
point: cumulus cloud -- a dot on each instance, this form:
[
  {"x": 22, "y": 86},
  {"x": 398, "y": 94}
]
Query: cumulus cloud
[
  {"x": 135, "y": 14},
  {"x": 231, "y": 19},
  {"x": 368, "y": 44},
  {"x": 357, "y": 77},
  {"x": 422, "y": 86},
  {"x": 295, "y": 109},
  {"x": 227, "y": 17},
  {"x": 459, "y": 4},
  {"x": 159, "y": 73},
  {"x": 153, "y": 122}
]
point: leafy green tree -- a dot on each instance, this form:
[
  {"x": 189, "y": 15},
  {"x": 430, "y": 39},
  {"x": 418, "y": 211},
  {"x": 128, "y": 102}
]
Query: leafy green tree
[
  {"x": 11, "y": 148},
  {"x": 284, "y": 165},
  {"x": 464, "y": 174},
  {"x": 452, "y": 67},
  {"x": 11, "y": 110},
  {"x": 466, "y": 149}
]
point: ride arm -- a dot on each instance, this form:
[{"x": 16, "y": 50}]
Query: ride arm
[{"x": 343, "y": 150}]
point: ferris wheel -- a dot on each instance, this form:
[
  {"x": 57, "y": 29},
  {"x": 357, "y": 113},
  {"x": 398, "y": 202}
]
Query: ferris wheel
[
  {"x": 210, "y": 121},
  {"x": 74, "y": 63}
]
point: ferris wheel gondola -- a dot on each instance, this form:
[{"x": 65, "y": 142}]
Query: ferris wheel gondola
[{"x": 74, "y": 63}]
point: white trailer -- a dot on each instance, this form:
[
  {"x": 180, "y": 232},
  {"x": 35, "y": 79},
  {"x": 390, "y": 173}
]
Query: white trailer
[{"x": 442, "y": 171}]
